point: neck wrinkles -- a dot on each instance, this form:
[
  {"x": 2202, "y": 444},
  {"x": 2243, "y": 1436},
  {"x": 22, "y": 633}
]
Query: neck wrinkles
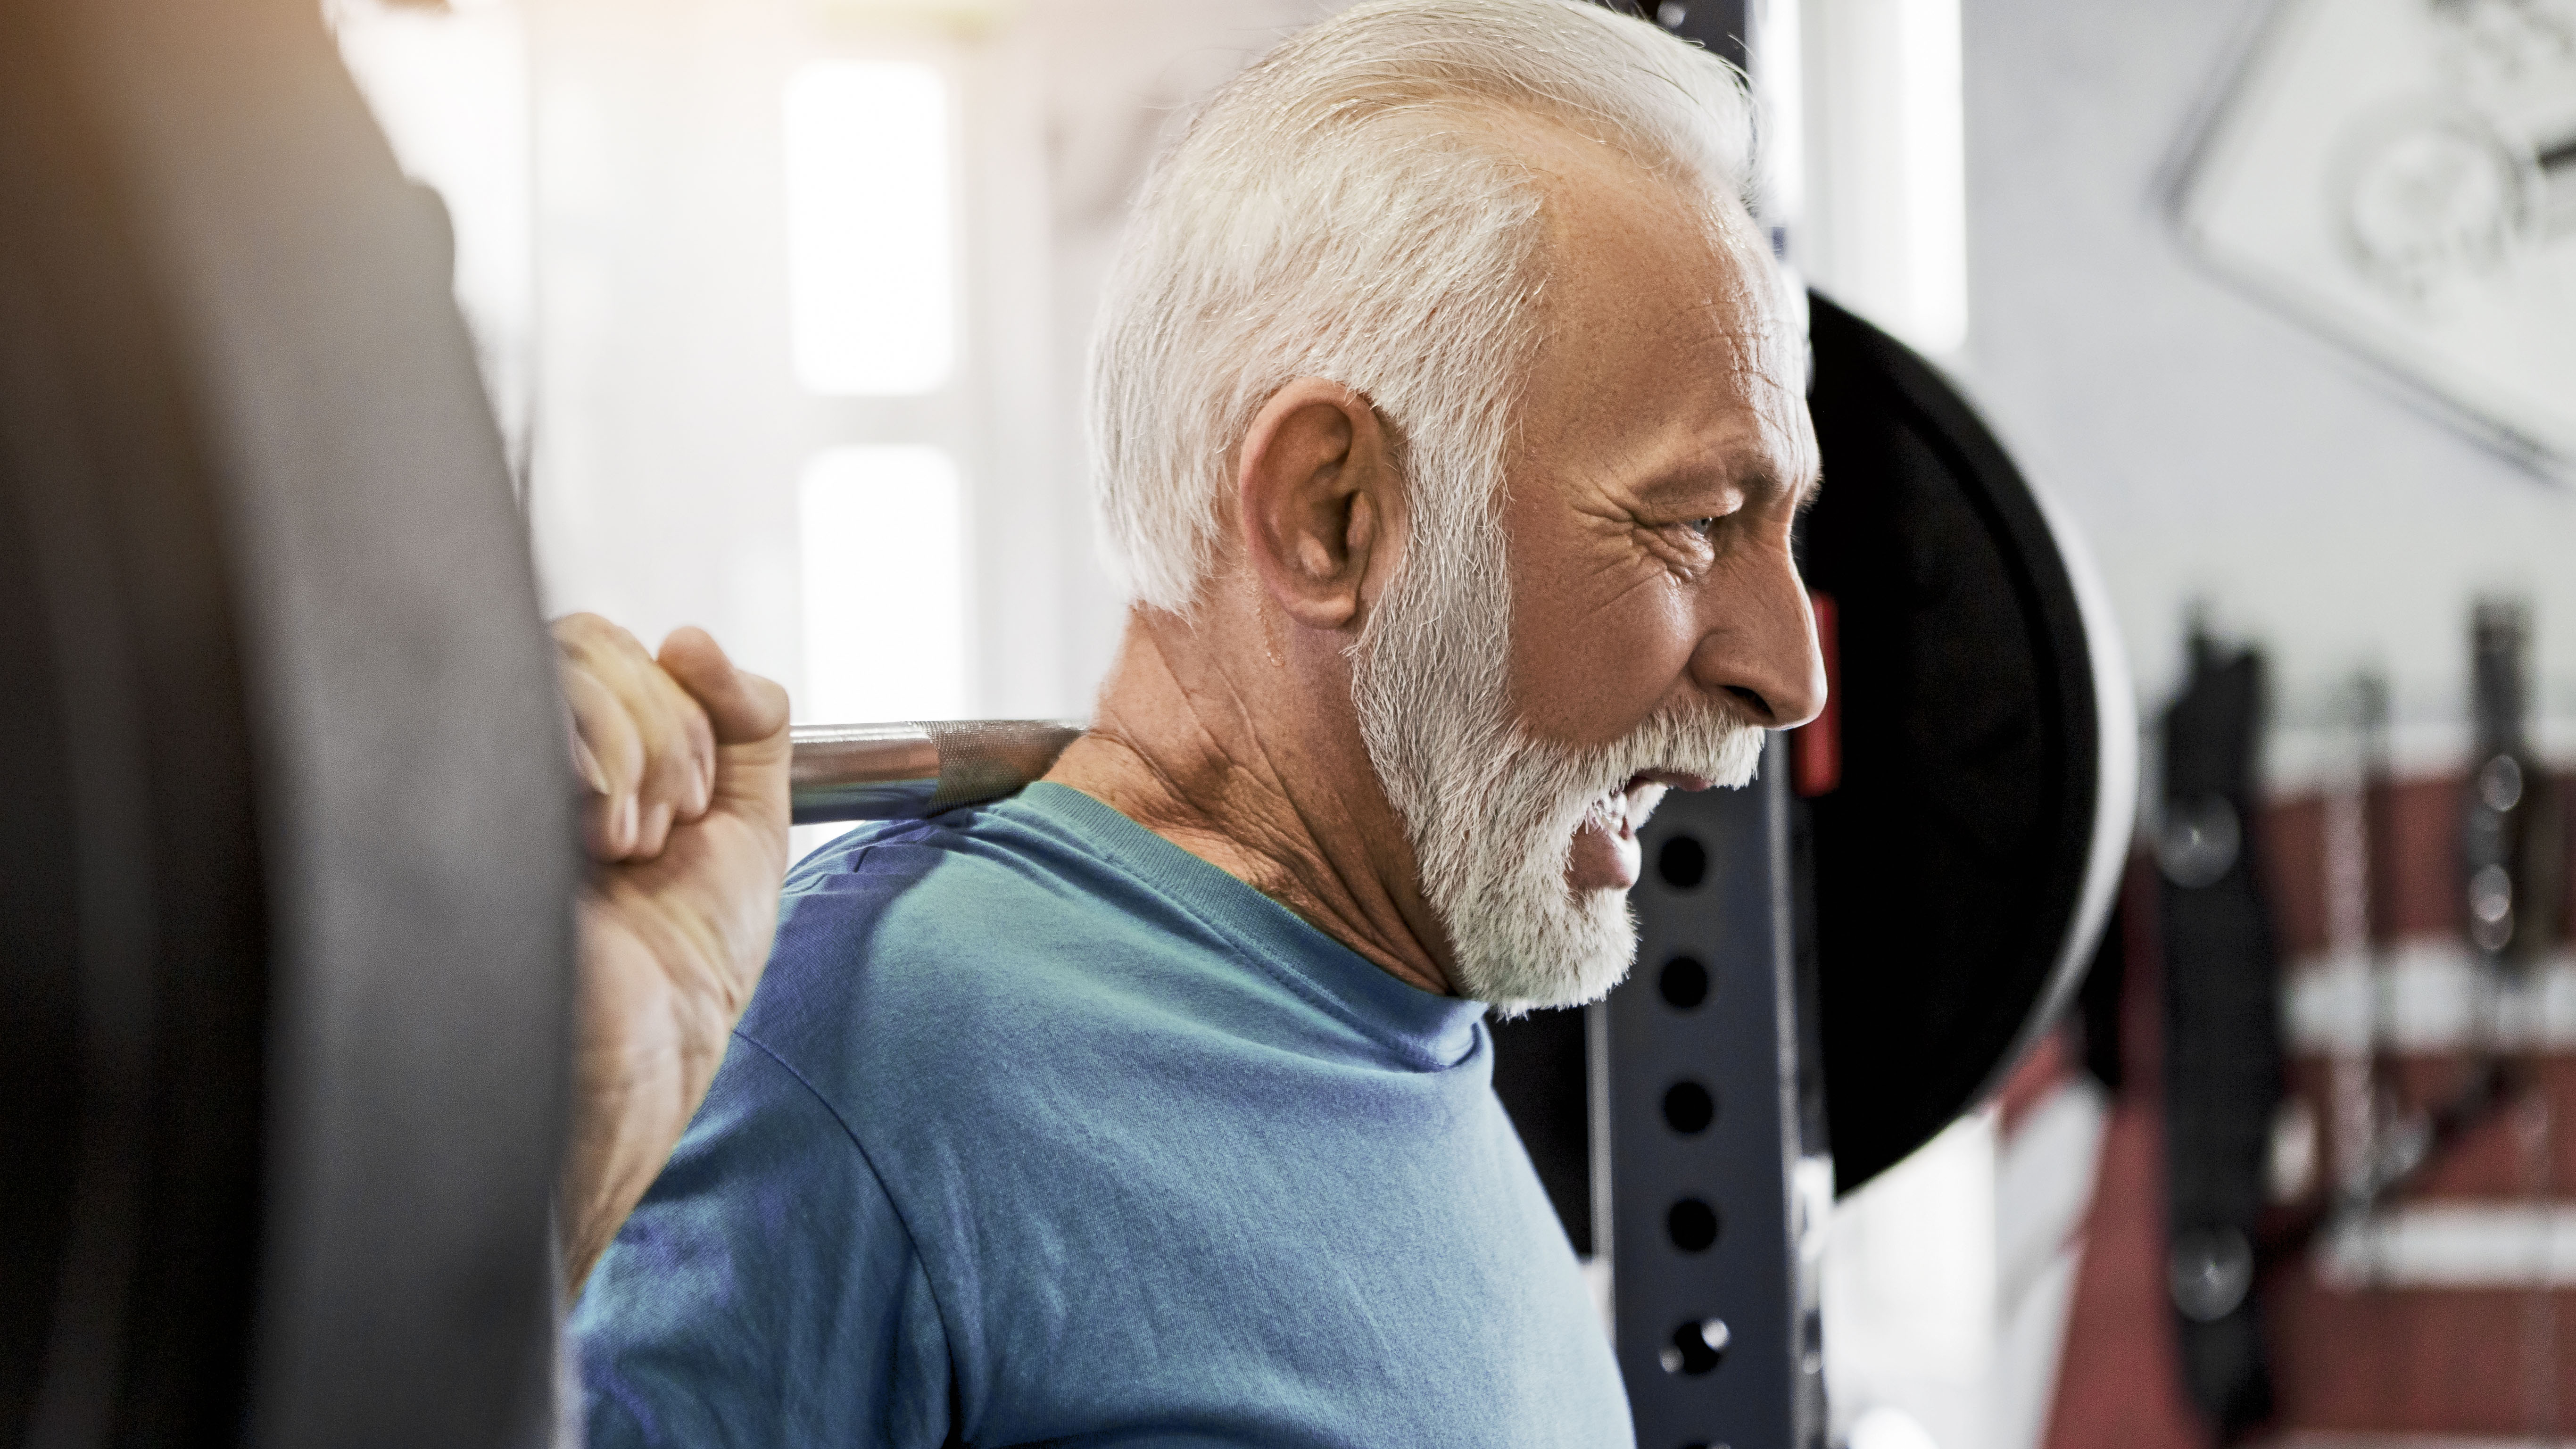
[{"x": 1217, "y": 750}]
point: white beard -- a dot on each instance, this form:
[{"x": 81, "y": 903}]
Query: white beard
[{"x": 1492, "y": 813}]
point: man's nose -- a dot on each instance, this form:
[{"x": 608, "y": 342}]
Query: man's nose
[{"x": 1760, "y": 648}]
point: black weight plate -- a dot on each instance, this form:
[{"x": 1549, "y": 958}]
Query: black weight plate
[
  {"x": 40, "y": 999},
  {"x": 40, "y": 1002},
  {"x": 313, "y": 849},
  {"x": 137, "y": 954},
  {"x": 1964, "y": 862}
]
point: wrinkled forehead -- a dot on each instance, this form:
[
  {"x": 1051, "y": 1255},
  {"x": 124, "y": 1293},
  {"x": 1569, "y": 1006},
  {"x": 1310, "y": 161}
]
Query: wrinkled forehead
[
  {"x": 1756, "y": 323},
  {"x": 1773, "y": 361},
  {"x": 1745, "y": 282},
  {"x": 1774, "y": 331},
  {"x": 1615, "y": 220},
  {"x": 1661, "y": 304}
]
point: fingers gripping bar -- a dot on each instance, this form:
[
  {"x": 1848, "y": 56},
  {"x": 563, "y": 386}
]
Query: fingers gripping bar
[{"x": 899, "y": 771}]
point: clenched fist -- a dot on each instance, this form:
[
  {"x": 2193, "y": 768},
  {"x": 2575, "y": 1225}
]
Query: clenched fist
[{"x": 686, "y": 757}]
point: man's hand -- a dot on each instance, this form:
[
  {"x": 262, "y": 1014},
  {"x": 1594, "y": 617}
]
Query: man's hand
[{"x": 687, "y": 830}]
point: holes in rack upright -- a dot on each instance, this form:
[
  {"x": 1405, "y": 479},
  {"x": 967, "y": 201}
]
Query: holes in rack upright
[
  {"x": 1692, "y": 1225},
  {"x": 1688, "y": 1108},
  {"x": 1683, "y": 983},
  {"x": 1682, "y": 862},
  {"x": 1696, "y": 1347}
]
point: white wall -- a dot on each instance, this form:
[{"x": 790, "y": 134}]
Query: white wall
[
  {"x": 451, "y": 90},
  {"x": 671, "y": 429},
  {"x": 615, "y": 172},
  {"x": 671, "y": 432},
  {"x": 1879, "y": 219},
  {"x": 2210, "y": 448}
]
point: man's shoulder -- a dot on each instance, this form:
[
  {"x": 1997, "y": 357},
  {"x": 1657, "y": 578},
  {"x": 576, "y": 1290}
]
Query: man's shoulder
[
  {"x": 910, "y": 883},
  {"x": 937, "y": 941},
  {"x": 907, "y": 905}
]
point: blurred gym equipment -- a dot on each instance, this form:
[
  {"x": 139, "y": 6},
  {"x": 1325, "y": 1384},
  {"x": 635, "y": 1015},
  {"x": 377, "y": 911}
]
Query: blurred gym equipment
[
  {"x": 290, "y": 846},
  {"x": 2221, "y": 1029}
]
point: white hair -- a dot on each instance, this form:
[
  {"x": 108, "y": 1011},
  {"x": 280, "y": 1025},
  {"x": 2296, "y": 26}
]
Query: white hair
[{"x": 1344, "y": 209}]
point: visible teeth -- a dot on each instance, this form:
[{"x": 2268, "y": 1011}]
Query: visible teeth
[{"x": 1609, "y": 813}]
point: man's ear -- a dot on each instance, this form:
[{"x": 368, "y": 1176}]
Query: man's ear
[{"x": 1323, "y": 511}]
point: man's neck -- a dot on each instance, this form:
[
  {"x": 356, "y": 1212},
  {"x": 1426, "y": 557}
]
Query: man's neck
[{"x": 1223, "y": 751}]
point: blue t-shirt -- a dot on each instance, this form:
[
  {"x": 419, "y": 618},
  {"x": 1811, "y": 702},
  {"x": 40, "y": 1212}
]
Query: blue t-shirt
[{"x": 1041, "y": 1117}]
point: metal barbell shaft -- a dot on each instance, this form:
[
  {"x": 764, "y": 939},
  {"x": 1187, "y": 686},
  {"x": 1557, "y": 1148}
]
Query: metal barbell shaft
[{"x": 905, "y": 770}]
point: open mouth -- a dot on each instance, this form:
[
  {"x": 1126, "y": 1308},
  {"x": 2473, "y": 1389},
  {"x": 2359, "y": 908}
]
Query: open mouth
[
  {"x": 1604, "y": 854},
  {"x": 1624, "y": 809}
]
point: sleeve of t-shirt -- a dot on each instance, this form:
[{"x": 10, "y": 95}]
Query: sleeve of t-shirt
[{"x": 765, "y": 1292}]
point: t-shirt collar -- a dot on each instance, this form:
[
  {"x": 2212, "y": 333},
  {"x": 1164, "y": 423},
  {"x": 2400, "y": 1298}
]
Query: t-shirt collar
[{"x": 1440, "y": 1029}]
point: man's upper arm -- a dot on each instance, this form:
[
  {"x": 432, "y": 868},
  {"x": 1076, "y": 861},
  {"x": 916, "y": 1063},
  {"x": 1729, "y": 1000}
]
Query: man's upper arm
[{"x": 764, "y": 1292}]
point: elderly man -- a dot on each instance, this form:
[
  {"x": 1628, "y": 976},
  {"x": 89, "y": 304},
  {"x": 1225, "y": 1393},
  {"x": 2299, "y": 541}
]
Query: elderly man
[{"x": 1450, "y": 438}]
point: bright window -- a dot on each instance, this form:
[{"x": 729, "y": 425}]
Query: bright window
[
  {"x": 1936, "y": 200},
  {"x": 1885, "y": 198},
  {"x": 869, "y": 244},
  {"x": 881, "y": 532}
]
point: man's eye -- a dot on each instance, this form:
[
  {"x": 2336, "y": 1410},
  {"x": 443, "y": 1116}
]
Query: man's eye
[{"x": 1702, "y": 526}]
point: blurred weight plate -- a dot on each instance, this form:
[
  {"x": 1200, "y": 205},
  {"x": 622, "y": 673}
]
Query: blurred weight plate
[
  {"x": 286, "y": 844},
  {"x": 1963, "y": 865}
]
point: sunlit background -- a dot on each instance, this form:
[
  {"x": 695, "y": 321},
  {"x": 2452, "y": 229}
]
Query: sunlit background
[{"x": 782, "y": 306}]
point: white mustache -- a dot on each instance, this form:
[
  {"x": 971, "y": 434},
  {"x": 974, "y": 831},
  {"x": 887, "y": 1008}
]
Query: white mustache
[{"x": 1714, "y": 744}]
